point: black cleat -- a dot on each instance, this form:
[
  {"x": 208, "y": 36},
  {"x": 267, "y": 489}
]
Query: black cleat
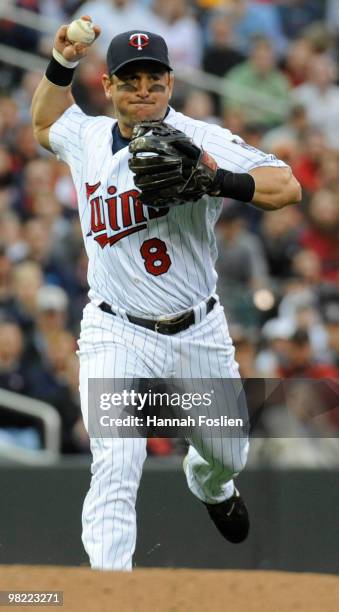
[{"x": 231, "y": 518}]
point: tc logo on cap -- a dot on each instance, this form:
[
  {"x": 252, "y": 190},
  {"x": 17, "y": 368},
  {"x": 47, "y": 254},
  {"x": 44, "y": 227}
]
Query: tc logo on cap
[{"x": 139, "y": 40}]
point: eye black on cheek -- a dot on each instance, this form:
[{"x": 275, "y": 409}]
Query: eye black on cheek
[
  {"x": 126, "y": 87},
  {"x": 157, "y": 87}
]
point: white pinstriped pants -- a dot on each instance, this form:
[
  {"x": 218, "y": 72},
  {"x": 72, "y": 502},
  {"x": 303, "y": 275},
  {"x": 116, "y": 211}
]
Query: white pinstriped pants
[{"x": 112, "y": 347}]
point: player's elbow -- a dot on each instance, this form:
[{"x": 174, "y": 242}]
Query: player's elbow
[
  {"x": 36, "y": 132},
  {"x": 284, "y": 190},
  {"x": 41, "y": 135},
  {"x": 40, "y": 128},
  {"x": 289, "y": 190}
]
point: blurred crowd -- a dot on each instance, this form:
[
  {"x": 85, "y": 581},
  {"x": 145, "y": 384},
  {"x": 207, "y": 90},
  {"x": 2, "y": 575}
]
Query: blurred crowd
[{"x": 277, "y": 62}]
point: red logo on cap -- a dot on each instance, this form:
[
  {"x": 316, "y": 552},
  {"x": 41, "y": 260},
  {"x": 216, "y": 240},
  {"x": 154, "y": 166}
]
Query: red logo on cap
[{"x": 139, "y": 40}]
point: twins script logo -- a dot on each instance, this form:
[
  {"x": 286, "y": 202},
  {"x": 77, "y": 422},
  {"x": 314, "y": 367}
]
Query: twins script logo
[
  {"x": 124, "y": 214},
  {"x": 139, "y": 40}
]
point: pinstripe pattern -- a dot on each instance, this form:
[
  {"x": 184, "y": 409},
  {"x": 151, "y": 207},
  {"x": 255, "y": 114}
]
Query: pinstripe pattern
[
  {"x": 85, "y": 143},
  {"x": 111, "y": 347},
  {"x": 208, "y": 352}
]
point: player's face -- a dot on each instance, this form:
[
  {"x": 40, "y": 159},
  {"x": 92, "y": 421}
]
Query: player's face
[{"x": 139, "y": 91}]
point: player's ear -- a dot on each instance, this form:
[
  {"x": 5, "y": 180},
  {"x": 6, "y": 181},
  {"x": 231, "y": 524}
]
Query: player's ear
[{"x": 106, "y": 83}]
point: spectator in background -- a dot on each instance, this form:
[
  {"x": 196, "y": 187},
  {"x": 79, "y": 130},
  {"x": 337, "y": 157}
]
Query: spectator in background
[
  {"x": 260, "y": 74},
  {"x": 320, "y": 38},
  {"x": 26, "y": 281},
  {"x": 241, "y": 265},
  {"x": 60, "y": 346},
  {"x": 52, "y": 307},
  {"x": 301, "y": 361},
  {"x": 116, "y": 16},
  {"x": 321, "y": 236},
  {"x": 296, "y": 296},
  {"x": 329, "y": 171},
  {"x": 296, "y": 15},
  {"x": 39, "y": 249},
  {"x": 37, "y": 177},
  {"x": 57, "y": 9},
  {"x": 234, "y": 120},
  {"x": 253, "y": 133},
  {"x": 181, "y": 32},
  {"x": 256, "y": 19},
  {"x": 300, "y": 307},
  {"x": 199, "y": 105},
  {"x": 290, "y": 133},
  {"x": 24, "y": 93},
  {"x": 19, "y": 36},
  {"x": 307, "y": 164},
  {"x": 47, "y": 208},
  {"x": 25, "y": 147},
  {"x": 12, "y": 372},
  {"x": 306, "y": 265},
  {"x": 280, "y": 239},
  {"x": 220, "y": 54},
  {"x": 15, "y": 428},
  {"x": 54, "y": 10},
  {"x": 51, "y": 317},
  {"x": 50, "y": 383},
  {"x": 241, "y": 257},
  {"x": 64, "y": 189},
  {"x": 245, "y": 347},
  {"x": 299, "y": 55},
  {"x": 297, "y": 436},
  {"x": 273, "y": 351},
  {"x": 11, "y": 236},
  {"x": 320, "y": 96}
]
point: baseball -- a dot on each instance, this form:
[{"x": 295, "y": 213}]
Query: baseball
[{"x": 81, "y": 30}]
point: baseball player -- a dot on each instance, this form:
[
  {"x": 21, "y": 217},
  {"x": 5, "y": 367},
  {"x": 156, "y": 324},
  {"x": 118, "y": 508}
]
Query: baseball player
[{"x": 150, "y": 186}]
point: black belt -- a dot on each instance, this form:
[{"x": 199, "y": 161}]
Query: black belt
[{"x": 172, "y": 326}]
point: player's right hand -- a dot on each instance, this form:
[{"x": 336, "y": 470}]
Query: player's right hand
[{"x": 73, "y": 52}]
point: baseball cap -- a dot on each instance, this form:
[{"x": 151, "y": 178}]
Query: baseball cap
[
  {"x": 134, "y": 46},
  {"x": 50, "y": 297}
]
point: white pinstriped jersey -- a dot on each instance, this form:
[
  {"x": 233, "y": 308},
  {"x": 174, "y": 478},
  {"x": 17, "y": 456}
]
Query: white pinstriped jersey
[{"x": 144, "y": 261}]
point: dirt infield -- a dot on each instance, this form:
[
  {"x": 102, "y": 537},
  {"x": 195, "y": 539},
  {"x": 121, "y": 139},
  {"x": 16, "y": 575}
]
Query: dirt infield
[{"x": 167, "y": 590}]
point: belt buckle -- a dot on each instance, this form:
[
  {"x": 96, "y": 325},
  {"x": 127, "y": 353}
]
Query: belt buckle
[
  {"x": 168, "y": 323},
  {"x": 160, "y": 322}
]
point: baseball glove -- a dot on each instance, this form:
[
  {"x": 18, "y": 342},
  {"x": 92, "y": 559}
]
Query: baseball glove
[{"x": 169, "y": 168}]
